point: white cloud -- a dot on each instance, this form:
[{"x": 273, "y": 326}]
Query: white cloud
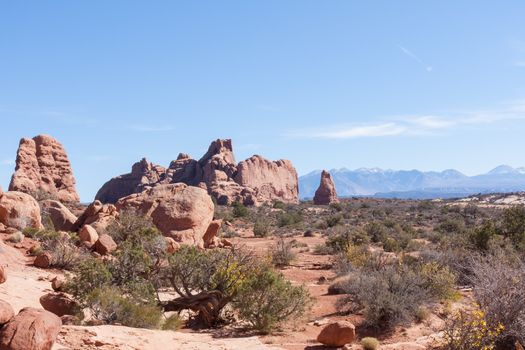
[{"x": 415, "y": 124}]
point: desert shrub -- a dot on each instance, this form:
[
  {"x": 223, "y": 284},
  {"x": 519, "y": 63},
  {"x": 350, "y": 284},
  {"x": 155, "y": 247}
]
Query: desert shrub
[
  {"x": 513, "y": 223},
  {"x": 65, "y": 255},
  {"x": 289, "y": 218},
  {"x": 279, "y": 205},
  {"x": 16, "y": 237},
  {"x": 261, "y": 227},
  {"x": 369, "y": 343},
  {"x": 388, "y": 296},
  {"x": 110, "y": 306},
  {"x": 266, "y": 300},
  {"x": 334, "y": 220},
  {"x": 422, "y": 314},
  {"x": 470, "y": 331},
  {"x": 89, "y": 275},
  {"x": 240, "y": 210},
  {"x": 172, "y": 323},
  {"x": 282, "y": 252},
  {"x": 353, "y": 258},
  {"x": 339, "y": 242},
  {"x": 451, "y": 226},
  {"x": 481, "y": 236},
  {"x": 499, "y": 289},
  {"x": 375, "y": 231},
  {"x": 439, "y": 281},
  {"x": 337, "y": 206}
]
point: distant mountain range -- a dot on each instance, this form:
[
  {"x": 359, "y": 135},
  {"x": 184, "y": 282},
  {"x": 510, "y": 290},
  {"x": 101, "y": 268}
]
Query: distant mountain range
[{"x": 414, "y": 183}]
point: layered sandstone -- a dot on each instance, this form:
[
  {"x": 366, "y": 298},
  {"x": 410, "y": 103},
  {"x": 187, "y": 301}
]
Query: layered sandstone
[
  {"x": 253, "y": 181},
  {"x": 42, "y": 167}
]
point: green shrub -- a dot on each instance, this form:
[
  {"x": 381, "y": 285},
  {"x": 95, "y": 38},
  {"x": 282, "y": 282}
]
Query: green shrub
[
  {"x": 369, "y": 343},
  {"x": 261, "y": 227},
  {"x": 289, "y": 218},
  {"x": 334, "y": 220},
  {"x": 514, "y": 224},
  {"x": 439, "y": 281},
  {"x": 266, "y": 300},
  {"x": 239, "y": 210},
  {"x": 89, "y": 275},
  {"x": 110, "y": 306},
  {"x": 481, "y": 236},
  {"x": 279, "y": 205}
]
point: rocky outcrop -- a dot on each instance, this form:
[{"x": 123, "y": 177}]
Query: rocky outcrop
[
  {"x": 253, "y": 181},
  {"x": 61, "y": 217},
  {"x": 270, "y": 180},
  {"x": 43, "y": 260},
  {"x": 42, "y": 166},
  {"x": 31, "y": 329},
  {"x": 179, "y": 211},
  {"x": 325, "y": 193},
  {"x": 143, "y": 174},
  {"x": 98, "y": 215},
  {"x": 19, "y": 210},
  {"x": 337, "y": 334},
  {"x": 6, "y": 312}
]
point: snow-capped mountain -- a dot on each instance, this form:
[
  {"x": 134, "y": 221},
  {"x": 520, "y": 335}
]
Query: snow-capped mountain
[{"x": 415, "y": 183}]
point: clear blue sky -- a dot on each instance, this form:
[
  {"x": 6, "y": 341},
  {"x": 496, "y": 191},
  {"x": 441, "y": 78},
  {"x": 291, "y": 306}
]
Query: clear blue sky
[{"x": 327, "y": 84}]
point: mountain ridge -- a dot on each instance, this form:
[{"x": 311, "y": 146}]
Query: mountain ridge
[{"x": 449, "y": 183}]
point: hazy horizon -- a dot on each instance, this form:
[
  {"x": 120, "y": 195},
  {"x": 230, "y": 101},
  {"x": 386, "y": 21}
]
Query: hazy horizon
[{"x": 436, "y": 86}]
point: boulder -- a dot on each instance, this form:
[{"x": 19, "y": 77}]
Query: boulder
[
  {"x": 179, "y": 211},
  {"x": 105, "y": 245},
  {"x": 227, "y": 192},
  {"x": 59, "y": 304},
  {"x": 19, "y": 210},
  {"x": 6, "y": 313},
  {"x": 88, "y": 236},
  {"x": 271, "y": 180},
  {"x": 31, "y": 329},
  {"x": 211, "y": 233},
  {"x": 337, "y": 334},
  {"x": 143, "y": 174},
  {"x": 325, "y": 193},
  {"x": 42, "y": 166},
  {"x": 62, "y": 218},
  {"x": 43, "y": 260},
  {"x": 3, "y": 275},
  {"x": 98, "y": 215},
  {"x": 57, "y": 283}
]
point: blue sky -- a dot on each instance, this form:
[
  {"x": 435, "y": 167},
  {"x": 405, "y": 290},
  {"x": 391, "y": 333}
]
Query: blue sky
[{"x": 327, "y": 84}]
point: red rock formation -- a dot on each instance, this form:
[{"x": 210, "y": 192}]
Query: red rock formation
[
  {"x": 31, "y": 329},
  {"x": 270, "y": 180},
  {"x": 253, "y": 181},
  {"x": 98, "y": 215},
  {"x": 42, "y": 165},
  {"x": 61, "y": 217},
  {"x": 143, "y": 174},
  {"x": 179, "y": 211},
  {"x": 105, "y": 245},
  {"x": 59, "y": 304},
  {"x": 19, "y": 210},
  {"x": 326, "y": 193}
]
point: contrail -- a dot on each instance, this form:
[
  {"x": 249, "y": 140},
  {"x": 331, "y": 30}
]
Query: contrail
[{"x": 409, "y": 53}]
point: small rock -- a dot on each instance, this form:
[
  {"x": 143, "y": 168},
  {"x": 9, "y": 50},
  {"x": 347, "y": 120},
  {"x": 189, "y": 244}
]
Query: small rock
[
  {"x": 59, "y": 304},
  {"x": 337, "y": 334},
  {"x": 105, "y": 245},
  {"x": 88, "y": 236},
  {"x": 57, "y": 283},
  {"x": 43, "y": 260}
]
